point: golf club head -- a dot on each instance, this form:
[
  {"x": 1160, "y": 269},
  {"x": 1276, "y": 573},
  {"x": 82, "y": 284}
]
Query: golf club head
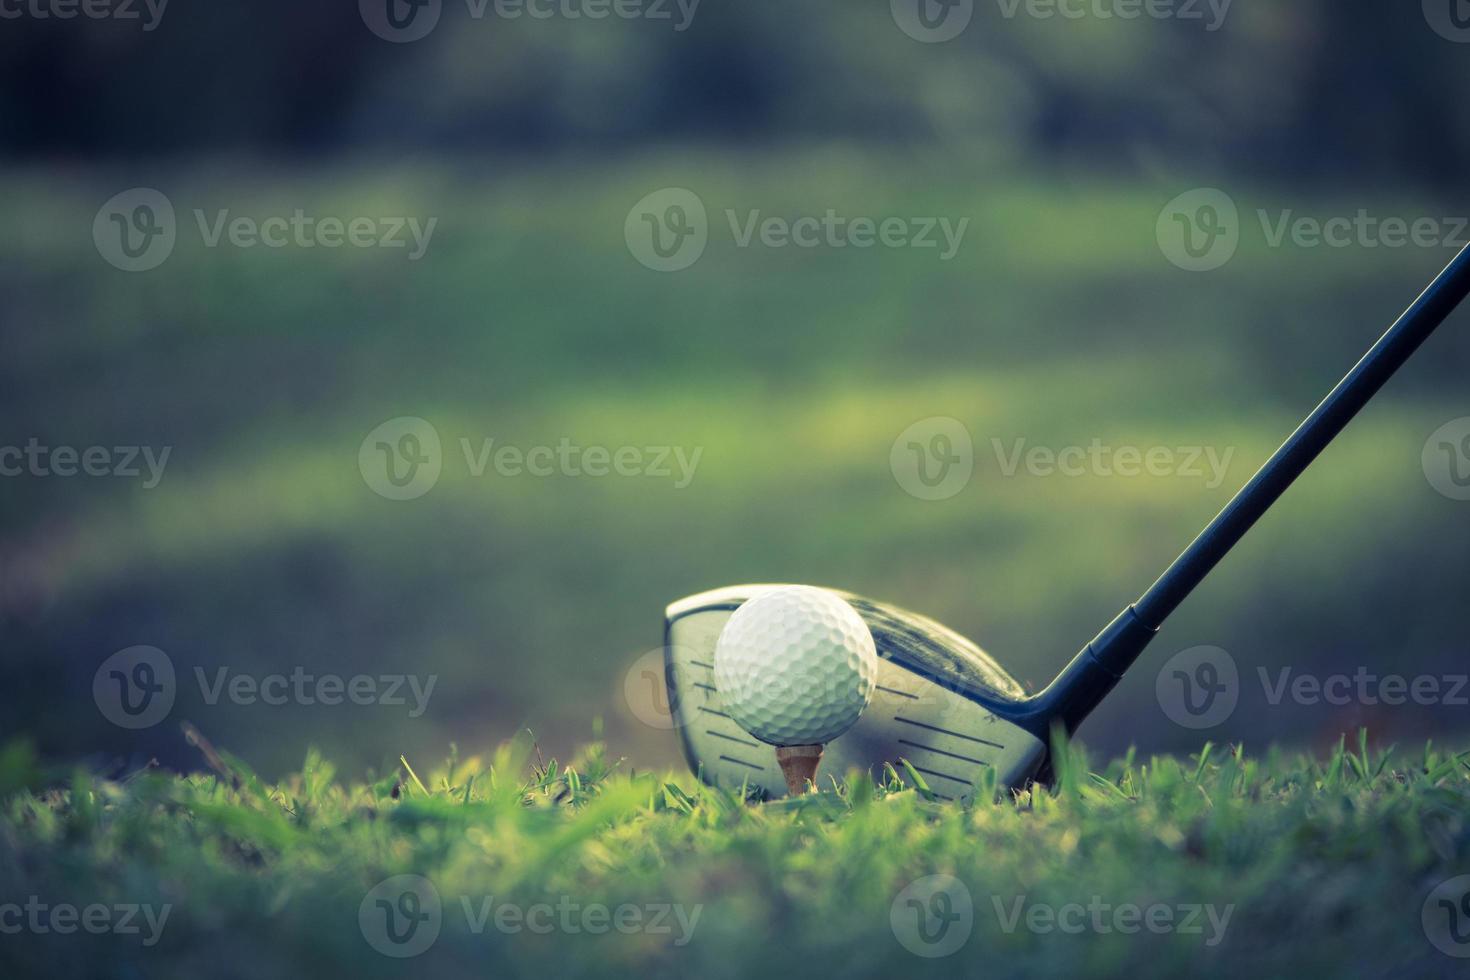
[{"x": 940, "y": 703}]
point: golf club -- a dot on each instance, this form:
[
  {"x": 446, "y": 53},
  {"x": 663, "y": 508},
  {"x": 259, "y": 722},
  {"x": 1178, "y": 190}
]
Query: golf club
[{"x": 946, "y": 706}]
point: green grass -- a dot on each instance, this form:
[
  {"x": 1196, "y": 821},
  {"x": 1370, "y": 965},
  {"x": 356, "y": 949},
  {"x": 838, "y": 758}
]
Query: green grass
[{"x": 1312, "y": 867}]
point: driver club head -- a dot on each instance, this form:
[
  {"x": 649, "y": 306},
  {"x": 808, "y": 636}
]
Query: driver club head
[{"x": 941, "y": 703}]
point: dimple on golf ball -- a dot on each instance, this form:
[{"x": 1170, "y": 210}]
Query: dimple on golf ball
[{"x": 796, "y": 666}]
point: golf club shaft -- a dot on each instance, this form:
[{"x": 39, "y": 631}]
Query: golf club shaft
[
  {"x": 1093, "y": 673},
  {"x": 1395, "y": 347}
]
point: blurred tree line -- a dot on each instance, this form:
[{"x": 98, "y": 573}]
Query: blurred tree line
[{"x": 1284, "y": 88}]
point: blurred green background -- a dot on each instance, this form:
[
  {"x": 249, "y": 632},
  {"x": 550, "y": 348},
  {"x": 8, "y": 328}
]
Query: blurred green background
[{"x": 529, "y": 321}]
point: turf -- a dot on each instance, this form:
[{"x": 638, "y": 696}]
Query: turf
[{"x": 1299, "y": 866}]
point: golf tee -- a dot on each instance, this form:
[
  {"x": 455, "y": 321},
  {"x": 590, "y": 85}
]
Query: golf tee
[{"x": 799, "y": 766}]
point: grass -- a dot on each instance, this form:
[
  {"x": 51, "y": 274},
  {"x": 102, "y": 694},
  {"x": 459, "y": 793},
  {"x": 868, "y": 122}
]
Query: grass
[{"x": 1297, "y": 866}]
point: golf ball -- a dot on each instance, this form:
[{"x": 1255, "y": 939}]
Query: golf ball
[{"x": 795, "y": 666}]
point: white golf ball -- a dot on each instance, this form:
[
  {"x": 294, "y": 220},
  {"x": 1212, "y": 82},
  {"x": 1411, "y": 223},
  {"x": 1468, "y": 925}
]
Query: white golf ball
[{"x": 796, "y": 666}]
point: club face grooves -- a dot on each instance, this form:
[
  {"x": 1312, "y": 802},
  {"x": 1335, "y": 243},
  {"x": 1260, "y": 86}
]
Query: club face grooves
[{"x": 932, "y": 707}]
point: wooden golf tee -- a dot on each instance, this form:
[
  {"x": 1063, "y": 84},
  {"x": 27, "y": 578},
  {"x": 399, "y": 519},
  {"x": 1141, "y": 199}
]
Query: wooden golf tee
[{"x": 799, "y": 766}]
